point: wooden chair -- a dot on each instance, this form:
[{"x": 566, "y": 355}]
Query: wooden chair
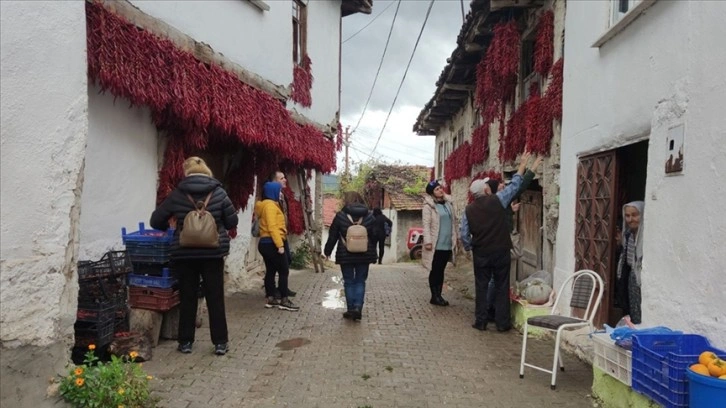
[{"x": 586, "y": 294}]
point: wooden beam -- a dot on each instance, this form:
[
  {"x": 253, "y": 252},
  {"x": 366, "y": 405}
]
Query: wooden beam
[
  {"x": 459, "y": 87},
  {"x": 260, "y": 4},
  {"x": 201, "y": 51},
  {"x": 502, "y": 4}
]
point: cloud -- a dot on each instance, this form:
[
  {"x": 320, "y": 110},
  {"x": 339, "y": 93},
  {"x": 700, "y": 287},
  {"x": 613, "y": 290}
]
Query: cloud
[{"x": 360, "y": 60}]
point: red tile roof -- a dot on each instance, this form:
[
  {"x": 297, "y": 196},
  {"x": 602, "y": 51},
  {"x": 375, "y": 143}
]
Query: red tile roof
[{"x": 330, "y": 207}]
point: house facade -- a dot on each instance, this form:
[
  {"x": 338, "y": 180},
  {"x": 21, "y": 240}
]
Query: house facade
[
  {"x": 497, "y": 97},
  {"x": 642, "y": 120},
  {"x": 102, "y": 100}
]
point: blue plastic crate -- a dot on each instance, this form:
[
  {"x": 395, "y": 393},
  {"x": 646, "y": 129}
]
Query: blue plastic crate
[
  {"x": 660, "y": 362},
  {"x": 147, "y": 236},
  {"x": 164, "y": 281}
]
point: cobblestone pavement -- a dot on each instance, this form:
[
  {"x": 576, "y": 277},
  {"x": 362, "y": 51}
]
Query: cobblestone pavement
[{"x": 404, "y": 353}]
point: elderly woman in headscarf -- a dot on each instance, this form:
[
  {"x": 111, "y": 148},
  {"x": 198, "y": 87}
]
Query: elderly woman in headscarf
[{"x": 630, "y": 262}]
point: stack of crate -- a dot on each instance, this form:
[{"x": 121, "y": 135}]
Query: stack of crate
[
  {"x": 152, "y": 285},
  {"x": 102, "y": 296}
]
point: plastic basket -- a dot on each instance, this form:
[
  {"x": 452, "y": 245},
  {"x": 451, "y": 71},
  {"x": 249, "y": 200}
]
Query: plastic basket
[
  {"x": 164, "y": 281},
  {"x": 148, "y": 246},
  {"x": 94, "y": 313},
  {"x": 705, "y": 392},
  {"x": 147, "y": 236},
  {"x": 112, "y": 263},
  {"x": 99, "y": 333},
  {"x": 613, "y": 360},
  {"x": 660, "y": 362},
  {"x": 160, "y": 300},
  {"x": 150, "y": 269},
  {"x": 100, "y": 290}
]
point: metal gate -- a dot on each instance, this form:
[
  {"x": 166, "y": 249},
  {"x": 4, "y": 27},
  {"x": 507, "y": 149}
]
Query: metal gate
[{"x": 595, "y": 217}]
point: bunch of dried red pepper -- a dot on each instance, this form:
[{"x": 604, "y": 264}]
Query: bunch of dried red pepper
[{"x": 302, "y": 82}]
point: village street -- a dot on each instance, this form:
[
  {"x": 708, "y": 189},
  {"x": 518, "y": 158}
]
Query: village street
[{"x": 404, "y": 353}]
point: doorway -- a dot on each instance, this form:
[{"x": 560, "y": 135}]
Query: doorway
[{"x": 606, "y": 181}]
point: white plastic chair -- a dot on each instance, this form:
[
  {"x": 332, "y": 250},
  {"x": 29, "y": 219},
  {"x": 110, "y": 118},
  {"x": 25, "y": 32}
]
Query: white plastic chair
[{"x": 587, "y": 286}]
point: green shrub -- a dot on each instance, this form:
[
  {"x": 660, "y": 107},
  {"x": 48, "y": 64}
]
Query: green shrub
[
  {"x": 118, "y": 383},
  {"x": 302, "y": 256}
]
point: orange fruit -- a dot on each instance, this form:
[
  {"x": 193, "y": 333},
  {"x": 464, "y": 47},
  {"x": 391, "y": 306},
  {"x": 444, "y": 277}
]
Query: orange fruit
[
  {"x": 717, "y": 367},
  {"x": 723, "y": 377},
  {"x": 706, "y": 357},
  {"x": 700, "y": 369}
]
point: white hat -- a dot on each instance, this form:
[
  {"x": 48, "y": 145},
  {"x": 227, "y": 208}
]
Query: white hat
[{"x": 477, "y": 187}]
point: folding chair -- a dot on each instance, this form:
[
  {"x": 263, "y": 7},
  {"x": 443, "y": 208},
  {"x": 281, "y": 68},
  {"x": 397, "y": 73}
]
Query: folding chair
[{"x": 587, "y": 286}]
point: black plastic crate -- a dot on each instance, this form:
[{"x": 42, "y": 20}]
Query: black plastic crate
[
  {"x": 113, "y": 263},
  {"x": 98, "y": 333},
  {"x": 96, "y": 312},
  {"x": 101, "y": 290}
]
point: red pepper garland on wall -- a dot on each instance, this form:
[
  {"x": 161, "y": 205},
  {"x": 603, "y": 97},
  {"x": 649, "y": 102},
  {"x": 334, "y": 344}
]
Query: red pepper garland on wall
[
  {"x": 296, "y": 222},
  {"x": 199, "y": 99},
  {"x": 544, "y": 43},
  {"x": 302, "y": 82},
  {"x": 554, "y": 90}
]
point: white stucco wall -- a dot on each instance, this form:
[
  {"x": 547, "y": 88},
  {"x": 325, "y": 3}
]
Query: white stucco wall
[
  {"x": 261, "y": 41},
  {"x": 44, "y": 126},
  {"x": 666, "y": 68},
  {"x": 120, "y": 176}
]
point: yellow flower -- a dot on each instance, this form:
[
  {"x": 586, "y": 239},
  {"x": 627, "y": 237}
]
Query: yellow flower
[
  {"x": 80, "y": 381},
  {"x": 133, "y": 354},
  {"x": 91, "y": 346},
  {"x": 148, "y": 377},
  {"x": 78, "y": 371},
  {"x": 121, "y": 391}
]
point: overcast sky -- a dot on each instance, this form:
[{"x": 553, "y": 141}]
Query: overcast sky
[{"x": 361, "y": 57}]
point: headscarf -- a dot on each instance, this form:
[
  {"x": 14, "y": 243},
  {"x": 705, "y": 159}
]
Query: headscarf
[
  {"x": 635, "y": 257},
  {"x": 271, "y": 190}
]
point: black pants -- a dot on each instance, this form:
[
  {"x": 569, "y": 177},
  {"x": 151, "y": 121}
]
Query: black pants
[
  {"x": 438, "y": 266},
  {"x": 381, "y": 246},
  {"x": 275, "y": 263},
  {"x": 493, "y": 264},
  {"x": 212, "y": 272}
]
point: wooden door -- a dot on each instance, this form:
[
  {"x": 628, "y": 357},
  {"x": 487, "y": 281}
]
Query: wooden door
[
  {"x": 529, "y": 225},
  {"x": 595, "y": 217}
]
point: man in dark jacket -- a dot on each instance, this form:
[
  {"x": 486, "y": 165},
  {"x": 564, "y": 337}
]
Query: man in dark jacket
[
  {"x": 191, "y": 263},
  {"x": 486, "y": 232},
  {"x": 354, "y": 266},
  {"x": 379, "y": 231}
]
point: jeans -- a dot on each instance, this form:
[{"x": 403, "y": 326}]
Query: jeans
[
  {"x": 488, "y": 266},
  {"x": 275, "y": 262},
  {"x": 212, "y": 273},
  {"x": 354, "y": 284}
]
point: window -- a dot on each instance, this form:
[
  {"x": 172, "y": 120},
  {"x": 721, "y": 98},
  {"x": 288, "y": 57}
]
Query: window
[
  {"x": 459, "y": 138},
  {"x": 620, "y": 8},
  {"x": 528, "y": 74},
  {"x": 299, "y": 30}
]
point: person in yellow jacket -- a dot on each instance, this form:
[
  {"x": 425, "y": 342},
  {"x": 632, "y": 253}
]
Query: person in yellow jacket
[{"x": 273, "y": 237}]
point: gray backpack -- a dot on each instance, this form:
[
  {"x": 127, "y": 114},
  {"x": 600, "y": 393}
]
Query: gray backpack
[{"x": 356, "y": 239}]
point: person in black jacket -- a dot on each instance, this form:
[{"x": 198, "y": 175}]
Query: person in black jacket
[
  {"x": 354, "y": 266},
  {"x": 190, "y": 263},
  {"x": 379, "y": 231}
]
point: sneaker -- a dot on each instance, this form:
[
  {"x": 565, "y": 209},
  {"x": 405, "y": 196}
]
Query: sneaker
[
  {"x": 348, "y": 315},
  {"x": 356, "y": 314},
  {"x": 479, "y": 326},
  {"x": 286, "y": 304},
  {"x": 221, "y": 349},
  {"x": 185, "y": 348},
  {"x": 272, "y": 302}
]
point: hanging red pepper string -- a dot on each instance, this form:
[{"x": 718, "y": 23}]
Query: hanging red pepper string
[
  {"x": 302, "y": 82},
  {"x": 544, "y": 43},
  {"x": 192, "y": 100},
  {"x": 554, "y": 90},
  {"x": 296, "y": 222}
]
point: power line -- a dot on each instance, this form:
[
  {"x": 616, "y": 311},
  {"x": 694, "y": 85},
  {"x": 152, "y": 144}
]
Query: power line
[
  {"x": 371, "y": 22},
  {"x": 404, "y": 75},
  {"x": 379, "y": 66},
  {"x": 425, "y": 151}
]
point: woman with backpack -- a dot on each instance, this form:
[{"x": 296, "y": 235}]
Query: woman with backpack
[
  {"x": 194, "y": 253},
  {"x": 351, "y": 231},
  {"x": 439, "y": 238},
  {"x": 381, "y": 229}
]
